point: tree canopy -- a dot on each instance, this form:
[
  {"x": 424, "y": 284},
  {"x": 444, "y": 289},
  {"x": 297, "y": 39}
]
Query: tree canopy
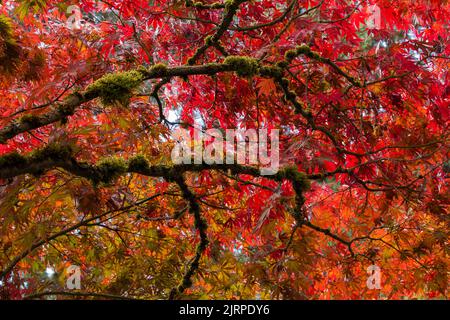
[{"x": 91, "y": 93}]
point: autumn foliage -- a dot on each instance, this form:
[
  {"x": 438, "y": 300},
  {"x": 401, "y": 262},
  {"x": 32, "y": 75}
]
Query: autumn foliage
[{"x": 358, "y": 89}]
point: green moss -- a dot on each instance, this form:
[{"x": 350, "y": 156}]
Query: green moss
[
  {"x": 138, "y": 163},
  {"x": 12, "y": 159},
  {"x": 244, "y": 66},
  {"x": 228, "y": 3},
  {"x": 201, "y": 5},
  {"x": 301, "y": 50},
  {"x": 282, "y": 64},
  {"x": 216, "y": 5},
  {"x": 299, "y": 180},
  {"x": 159, "y": 68},
  {"x": 233, "y": 4},
  {"x": 305, "y": 50},
  {"x": 116, "y": 88},
  {"x": 208, "y": 41},
  {"x": 271, "y": 71},
  {"x": 110, "y": 169},
  {"x": 68, "y": 107},
  {"x": 31, "y": 120},
  {"x": 52, "y": 151},
  {"x": 290, "y": 55}
]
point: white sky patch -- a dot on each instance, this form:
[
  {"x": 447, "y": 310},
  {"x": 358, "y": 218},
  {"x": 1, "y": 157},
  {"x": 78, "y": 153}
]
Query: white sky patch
[
  {"x": 172, "y": 115},
  {"x": 49, "y": 271}
]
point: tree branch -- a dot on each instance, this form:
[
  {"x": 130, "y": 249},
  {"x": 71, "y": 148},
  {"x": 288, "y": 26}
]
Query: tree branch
[{"x": 201, "y": 226}]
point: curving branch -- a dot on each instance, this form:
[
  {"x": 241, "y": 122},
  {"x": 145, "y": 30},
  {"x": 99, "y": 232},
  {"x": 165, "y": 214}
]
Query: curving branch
[{"x": 201, "y": 226}]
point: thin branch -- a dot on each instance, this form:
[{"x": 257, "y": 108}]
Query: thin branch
[{"x": 201, "y": 226}]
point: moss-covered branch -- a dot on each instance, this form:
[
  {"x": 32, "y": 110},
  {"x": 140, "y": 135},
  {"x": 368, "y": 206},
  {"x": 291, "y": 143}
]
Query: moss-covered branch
[
  {"x": 111, "y": 89},
  {"x": 118, "y": 88},
  {"x": 107, "y": 170},
  {"x": 201, "y": 226},
  {"x": 58, "y": 112},
  {"x": 203, "y": 6}
]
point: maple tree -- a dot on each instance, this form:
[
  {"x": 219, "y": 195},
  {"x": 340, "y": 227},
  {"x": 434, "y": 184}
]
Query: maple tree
[{"x": 86, "y": 178}]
